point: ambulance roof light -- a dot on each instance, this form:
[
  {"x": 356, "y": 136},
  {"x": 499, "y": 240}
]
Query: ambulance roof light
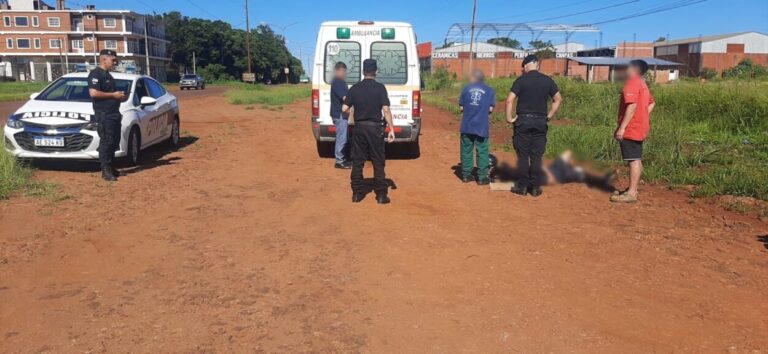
[{"x": 366, "y": 23}]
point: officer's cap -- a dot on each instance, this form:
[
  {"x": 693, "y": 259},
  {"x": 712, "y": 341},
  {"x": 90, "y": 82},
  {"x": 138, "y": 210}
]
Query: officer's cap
[
  {"x": 370, "y": 66},
  {"x": 108, "y": 52},
  {"x": 529, "y": 59}
]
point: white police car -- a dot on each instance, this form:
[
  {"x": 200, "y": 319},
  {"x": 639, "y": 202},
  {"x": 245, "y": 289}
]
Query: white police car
[{"x": 55, "y": 123}]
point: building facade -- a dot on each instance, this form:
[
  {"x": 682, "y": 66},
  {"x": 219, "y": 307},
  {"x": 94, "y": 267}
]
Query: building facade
[
  {"x": 718, "y": 53},
  {"x": 39, "y": 42},
  {"x": 499, "y": 61}
]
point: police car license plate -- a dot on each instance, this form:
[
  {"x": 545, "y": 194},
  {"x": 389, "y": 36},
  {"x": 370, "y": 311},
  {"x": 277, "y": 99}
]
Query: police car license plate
[{"x": 49, "y": 141}]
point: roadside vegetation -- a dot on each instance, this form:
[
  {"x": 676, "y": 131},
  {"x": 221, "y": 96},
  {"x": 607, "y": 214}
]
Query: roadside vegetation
[
  {"x": 248, "y": 94},
  {"x": 711, "y": 136},
  {"x": 19, "y": 91},
  {"x": 17, "y": 178}
]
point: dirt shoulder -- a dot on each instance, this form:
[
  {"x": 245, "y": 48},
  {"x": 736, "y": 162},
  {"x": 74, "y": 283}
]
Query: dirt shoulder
[{"x": 246, "y": 241}]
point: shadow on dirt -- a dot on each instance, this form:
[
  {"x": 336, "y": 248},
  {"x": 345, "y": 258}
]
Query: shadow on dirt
[
  {"x": 368, "y": 187},
  {"x": 764, "y": 240},
  {"x": 151, "y": 158}
]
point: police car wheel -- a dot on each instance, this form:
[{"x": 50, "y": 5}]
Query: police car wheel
[
  {"x": 175, "y": 137},
  {"x": 134, "y": 147}
]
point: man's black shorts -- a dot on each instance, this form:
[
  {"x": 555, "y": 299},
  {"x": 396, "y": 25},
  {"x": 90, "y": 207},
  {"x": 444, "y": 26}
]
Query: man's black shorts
[{"x": 631, "y": 150}]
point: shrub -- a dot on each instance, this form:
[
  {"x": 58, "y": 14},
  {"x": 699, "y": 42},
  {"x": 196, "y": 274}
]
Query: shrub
[
  {"x": 215, "y": 72},
  {"x": 707, "y": 73},
  {"x": 440, "y": 79},
  {"x": 747, "y": 69}
]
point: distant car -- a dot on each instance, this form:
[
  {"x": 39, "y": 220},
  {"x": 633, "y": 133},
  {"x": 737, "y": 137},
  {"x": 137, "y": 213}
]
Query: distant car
[
  {"x": 189, "y": 81},
  {"x": 56, "y": 123},
  {"x": 304, "y": 79}
]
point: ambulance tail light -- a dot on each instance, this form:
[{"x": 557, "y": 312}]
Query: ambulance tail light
[
  {"x": 315, "y": 103},
  {"x": 416, "y": 104}
]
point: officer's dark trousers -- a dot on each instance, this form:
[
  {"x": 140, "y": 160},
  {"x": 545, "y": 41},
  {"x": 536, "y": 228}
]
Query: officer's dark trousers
[
  {"x": 530, "y": 141},
  {"x": 368, "y": 144},
  {"x": 109, "y": 136}
]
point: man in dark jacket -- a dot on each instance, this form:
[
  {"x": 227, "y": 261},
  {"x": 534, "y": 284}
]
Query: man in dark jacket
[
  {"x": 340, "y": 119},
  {"x": 369, "y": 99},
  {"x": 106, "y": 109}
]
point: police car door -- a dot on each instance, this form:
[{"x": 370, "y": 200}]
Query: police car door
[
  {"x": 145, "y": 114},
  {"x": 161, "y": 120},
  {"x": 392, "y": 60}
]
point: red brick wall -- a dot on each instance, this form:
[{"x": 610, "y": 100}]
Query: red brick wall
[
  {"x": 634, "y": 49},
  {"x": 502, "y": 66}
]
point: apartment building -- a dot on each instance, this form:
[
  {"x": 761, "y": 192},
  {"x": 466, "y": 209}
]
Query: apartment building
[{"x": 39, "y": 42}]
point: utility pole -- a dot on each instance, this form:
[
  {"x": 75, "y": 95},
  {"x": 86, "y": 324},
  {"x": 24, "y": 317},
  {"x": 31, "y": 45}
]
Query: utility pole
[
  {"x": 472, "y": 37},
  {"x": 194, "y": 64},
  {"x": 634, "y": 44},
  {"x": 146, "y": 46},
  {"x": 248, "y": 36}
]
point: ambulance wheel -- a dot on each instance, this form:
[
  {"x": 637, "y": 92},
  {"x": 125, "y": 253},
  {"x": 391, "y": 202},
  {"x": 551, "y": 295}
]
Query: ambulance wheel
[
  {"x": 134, "y": 147},
  {"x": 325, "y": 149}
]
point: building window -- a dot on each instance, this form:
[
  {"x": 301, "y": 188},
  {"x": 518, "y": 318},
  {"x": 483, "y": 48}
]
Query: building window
[
  {"x": 22, "y": 43},
  {"x": 9, "y": 43},
  {"x": 77, "y": 44},
  {"x": 37, "y": 43},
  {"x": 7, "y": 21},
  {"x": 54, "y": 43},
  {"x": 54, "y": 22},
  {"x": 110, "y": 22},
  {"x": 21, "y": 21},
  {"x": 35, "y": 21},
  {"x": 110, "y": 44}
]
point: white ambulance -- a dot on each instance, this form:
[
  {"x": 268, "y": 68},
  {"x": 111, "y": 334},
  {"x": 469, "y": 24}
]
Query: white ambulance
[{"x": 393, "y": 45}]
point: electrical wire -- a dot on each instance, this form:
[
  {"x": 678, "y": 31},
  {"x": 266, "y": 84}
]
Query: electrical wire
[
  {"x": 662, "y": 8},
  {"x": 585, "y": 11}
]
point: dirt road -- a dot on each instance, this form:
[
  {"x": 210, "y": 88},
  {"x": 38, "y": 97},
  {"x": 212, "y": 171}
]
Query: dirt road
[{"x": 246, "y": 241}]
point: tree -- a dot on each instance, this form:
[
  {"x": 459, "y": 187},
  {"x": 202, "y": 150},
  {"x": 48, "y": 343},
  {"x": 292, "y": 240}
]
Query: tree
[
  {"x": 542, "y": 49},
  {"x": 661, "y": 39},
  {"x": 506, "y": 42},
  {"x": 216, "y": 42}
]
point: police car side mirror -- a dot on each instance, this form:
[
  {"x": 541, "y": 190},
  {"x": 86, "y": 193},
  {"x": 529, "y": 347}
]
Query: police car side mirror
[
  {"x": 147, "y": 101},
  {"x": 34, "y": 95}
]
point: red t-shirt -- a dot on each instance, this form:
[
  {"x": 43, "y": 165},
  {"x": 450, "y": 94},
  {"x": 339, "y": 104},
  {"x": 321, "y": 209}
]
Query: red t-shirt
[{"x": 636, "y": 91}]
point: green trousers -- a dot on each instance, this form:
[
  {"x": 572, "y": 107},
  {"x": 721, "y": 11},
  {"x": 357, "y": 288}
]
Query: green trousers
[{"x": 470, "y": 143}]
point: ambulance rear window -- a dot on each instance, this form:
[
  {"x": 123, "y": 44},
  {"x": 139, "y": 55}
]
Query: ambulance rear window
[
  {"x": 346, "y": 52},
  {"x": 392, "y": 61}
]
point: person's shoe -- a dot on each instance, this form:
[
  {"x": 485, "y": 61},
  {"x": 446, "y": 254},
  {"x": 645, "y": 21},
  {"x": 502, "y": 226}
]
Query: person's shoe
[
  {"x": 382, "y": 199},
  {"x": 343, "y": 165},
  {"x": 536, "y": 191},
  {"x": 483, "y": 181},
  {"x": 520, "y": 190},
  {"x": 357, "y": 197},
  {"x": 115, "y": 172},
  {"x": 467, "y": 179},
  {"x": 624, "y": 198},
  {"x": 107, "y": 175}
]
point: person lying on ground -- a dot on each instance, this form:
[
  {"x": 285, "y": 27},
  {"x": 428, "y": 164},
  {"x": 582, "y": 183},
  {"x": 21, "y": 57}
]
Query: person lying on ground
[{"x": 564, "y": 169}]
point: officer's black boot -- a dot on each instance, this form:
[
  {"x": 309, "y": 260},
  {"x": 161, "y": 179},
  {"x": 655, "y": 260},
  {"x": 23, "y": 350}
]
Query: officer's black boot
[
  {"x": 536, "y": 191},
  {"x": 520, "y": 190},
  {"x": 115, "y": 172},
  {"x": 357, "y": 197},
  {"x": 108, "y": 175},
  {"x": 382, "y": 198}
]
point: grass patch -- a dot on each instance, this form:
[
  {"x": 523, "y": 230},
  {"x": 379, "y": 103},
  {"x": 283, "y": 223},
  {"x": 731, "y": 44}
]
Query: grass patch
[
  {"x": 17, "y": 178},
  {"x": 712, "y": 135},
  {"x": 19, "y": 91},
  {"x": 246, "y": 94}
]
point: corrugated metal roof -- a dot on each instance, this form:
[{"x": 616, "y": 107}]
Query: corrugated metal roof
[
  {"x": 480, "y": 47},
  {"x": 703, "y": 38},
  {"x": 611, "y": 61}
]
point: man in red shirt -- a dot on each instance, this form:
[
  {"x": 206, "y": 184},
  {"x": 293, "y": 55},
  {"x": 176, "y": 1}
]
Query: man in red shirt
[{"x": 635, "y": 107}]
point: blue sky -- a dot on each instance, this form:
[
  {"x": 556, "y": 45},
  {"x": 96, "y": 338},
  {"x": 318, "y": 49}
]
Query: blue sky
[{"x": 431, "y": 19}]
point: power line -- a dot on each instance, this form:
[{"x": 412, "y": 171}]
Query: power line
[
  {"x": 658, "y": 9},
  {"x": 540, "y": 11},
  {"x": 204, "y": 10},
  {"x": 586, "y": 11}
]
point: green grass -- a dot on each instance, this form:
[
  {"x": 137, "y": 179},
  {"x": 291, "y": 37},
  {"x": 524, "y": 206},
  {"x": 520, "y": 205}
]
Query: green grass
[
  {"x": 17, "y": 178},
  {"x": 247, "y": 94},
  {"x": 19, "y": 91},
  {"x": 713, "y": 135}
]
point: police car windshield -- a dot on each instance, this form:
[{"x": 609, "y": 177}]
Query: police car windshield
[{"x": 75, "y": 89}]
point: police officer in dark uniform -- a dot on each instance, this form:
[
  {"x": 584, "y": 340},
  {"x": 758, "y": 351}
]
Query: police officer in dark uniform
[
  {"x": 532, "y": 90},
  {"x": 106, "y": 108},
  {"x": 368, "y": 99}
]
